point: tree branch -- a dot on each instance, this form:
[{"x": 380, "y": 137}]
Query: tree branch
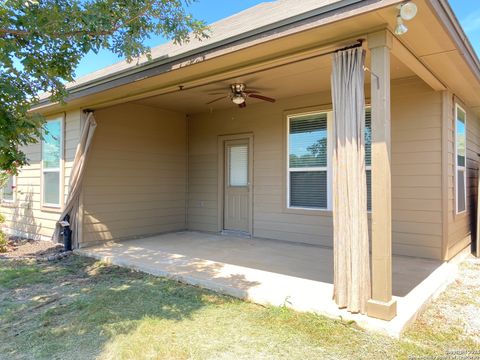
[{"x": 26, "y": 33}]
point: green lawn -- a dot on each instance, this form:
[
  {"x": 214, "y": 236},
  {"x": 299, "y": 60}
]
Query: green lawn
[{"x": 82, "y": 309}]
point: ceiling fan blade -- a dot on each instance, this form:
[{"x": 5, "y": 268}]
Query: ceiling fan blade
[
  {"x": 211, "y": 102},
  {"x": 242, "y": 105},
  {"x": 251, "y": 91},
  {"x": 261, "y": 97}
]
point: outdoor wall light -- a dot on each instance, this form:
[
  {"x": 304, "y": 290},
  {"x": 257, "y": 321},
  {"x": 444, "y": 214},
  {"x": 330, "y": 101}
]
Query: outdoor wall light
[
  {"x": 406, "y": 11},
  {"x": 400, "y": 29}
]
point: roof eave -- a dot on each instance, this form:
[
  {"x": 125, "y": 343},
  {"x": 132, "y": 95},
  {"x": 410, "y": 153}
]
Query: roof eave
[
  {"x": 445, "y": 13},
  {"x": 162, "y": 61}
]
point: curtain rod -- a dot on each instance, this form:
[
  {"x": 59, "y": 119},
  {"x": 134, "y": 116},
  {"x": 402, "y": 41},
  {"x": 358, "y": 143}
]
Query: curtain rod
[{"x": 354, "y": 46}]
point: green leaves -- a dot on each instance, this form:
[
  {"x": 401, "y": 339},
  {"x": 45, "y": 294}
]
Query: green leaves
[{"x": 42, "y": 42}]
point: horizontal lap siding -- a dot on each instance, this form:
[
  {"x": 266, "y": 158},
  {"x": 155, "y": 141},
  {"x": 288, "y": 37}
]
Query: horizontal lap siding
[
  {"x": 266, "y": 122},
  {"x": 416, "y": 169},
  {"x": 135, "y": 182},
  {"x": 26, "y": 217},
  {"x": 460, "y": 225}
]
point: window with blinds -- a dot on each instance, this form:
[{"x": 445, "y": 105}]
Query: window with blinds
[
  {"x": 368, "y": 155},
  {"x": 460, "y": 158},
  {"x": 308, "y": 160}
]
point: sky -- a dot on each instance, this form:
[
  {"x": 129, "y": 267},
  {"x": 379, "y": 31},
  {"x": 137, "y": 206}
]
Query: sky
[{"x": 467, "y": 12}]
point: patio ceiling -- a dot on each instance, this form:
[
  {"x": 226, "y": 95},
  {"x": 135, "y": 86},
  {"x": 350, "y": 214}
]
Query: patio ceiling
[{"x": 300, "y": 78}]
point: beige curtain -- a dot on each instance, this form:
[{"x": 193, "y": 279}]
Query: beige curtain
[
  {"x": 350, "y": 228},
  {"x": 76, "y": 178}
]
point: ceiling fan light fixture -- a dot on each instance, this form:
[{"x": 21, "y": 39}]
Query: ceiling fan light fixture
[
  {"x": 238, "y": 99},
  {"x": 400, "y": 29},
  {"x": 408, "y": 10}
]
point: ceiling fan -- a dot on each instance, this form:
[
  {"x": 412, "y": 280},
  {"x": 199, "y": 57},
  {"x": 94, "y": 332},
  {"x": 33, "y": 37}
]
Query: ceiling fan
[{"x": 239, "y": 93}]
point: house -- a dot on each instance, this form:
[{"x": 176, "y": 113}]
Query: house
[{"x": 176, "y": 151}]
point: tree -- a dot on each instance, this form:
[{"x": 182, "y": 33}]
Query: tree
[{"x": 42, "y": 42}]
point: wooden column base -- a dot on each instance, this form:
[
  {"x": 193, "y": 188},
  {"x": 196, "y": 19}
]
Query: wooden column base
[{"x": 382, "y": 310}]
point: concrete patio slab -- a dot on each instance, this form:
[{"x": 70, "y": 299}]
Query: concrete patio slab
[{"x": 270, "y": 272}]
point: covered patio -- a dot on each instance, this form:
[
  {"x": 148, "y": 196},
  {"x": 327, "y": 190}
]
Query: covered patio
[
  {"x": 169, "y": 171},
  {"x": 271, "y": 272}
]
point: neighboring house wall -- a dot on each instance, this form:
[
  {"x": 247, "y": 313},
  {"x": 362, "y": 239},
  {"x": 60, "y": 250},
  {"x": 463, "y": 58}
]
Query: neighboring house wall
[
  {"x": 416, "y": 170},
  {"x": 26, "y": 216},
  {"x": 459, "y": 226},
  {"x": 135, "y": 182}
]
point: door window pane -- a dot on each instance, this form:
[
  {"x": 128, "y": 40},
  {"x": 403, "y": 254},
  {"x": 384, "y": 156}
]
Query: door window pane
[
  {"x": 51, "y": 186},
  {"x": 238, "y": 165}
]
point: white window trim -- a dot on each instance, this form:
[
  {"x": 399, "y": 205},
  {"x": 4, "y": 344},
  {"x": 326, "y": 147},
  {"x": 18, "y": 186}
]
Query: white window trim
[
  {"x": 327, "y": 168},
  {"x": 457, "y": 167},
  {"x": 58, "y": 170},
  {"x": 14, "y": 188}
]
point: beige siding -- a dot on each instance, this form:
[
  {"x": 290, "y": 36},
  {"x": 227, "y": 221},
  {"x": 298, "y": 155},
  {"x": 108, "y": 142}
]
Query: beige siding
[
  {"x": 135, "y": 180},
  {"x": 416, "y": 167},
  {"x": 460, "y": 225},
  {"x": 26, "y": 217}
]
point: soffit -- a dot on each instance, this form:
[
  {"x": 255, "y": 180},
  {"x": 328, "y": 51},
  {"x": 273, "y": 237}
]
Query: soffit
[{"x": 301, "y": 78}]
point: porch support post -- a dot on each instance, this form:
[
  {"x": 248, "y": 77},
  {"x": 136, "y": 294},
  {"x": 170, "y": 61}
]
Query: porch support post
[{"x": 381, "y": 305}]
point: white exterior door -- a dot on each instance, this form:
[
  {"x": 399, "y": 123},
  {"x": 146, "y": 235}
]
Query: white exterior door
[{"x": 237, "y": 185}]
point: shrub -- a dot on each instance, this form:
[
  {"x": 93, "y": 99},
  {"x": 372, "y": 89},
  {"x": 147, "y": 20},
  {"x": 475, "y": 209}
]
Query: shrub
[{"x": 3, "y": 237}]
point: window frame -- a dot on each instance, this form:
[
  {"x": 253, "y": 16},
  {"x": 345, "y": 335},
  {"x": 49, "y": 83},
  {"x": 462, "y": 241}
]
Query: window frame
[
  {"x": 458, "y": 167},
  {"x": 286, "y": 162},
  {"x": 327, "y": 168},
  {"x": 14, "y": 192},
  {"x": 60, "y": 170}
]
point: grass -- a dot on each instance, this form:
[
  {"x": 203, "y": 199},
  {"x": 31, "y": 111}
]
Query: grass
[{"x": 82, "y": 309}]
